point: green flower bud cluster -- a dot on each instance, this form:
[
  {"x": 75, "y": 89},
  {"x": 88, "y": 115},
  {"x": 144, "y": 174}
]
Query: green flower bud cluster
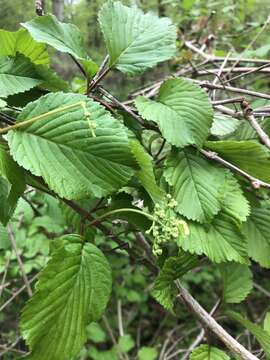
[{"x": 166, "y": 226}]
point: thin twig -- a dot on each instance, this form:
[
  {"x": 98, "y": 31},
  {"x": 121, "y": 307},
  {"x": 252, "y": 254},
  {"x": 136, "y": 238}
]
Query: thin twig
[
  {"x": 14, "y": 246},
  {"x": 256, "y": 183},
  {"x": 17, "y": 293},
  {"x": 209, "y": 322}
]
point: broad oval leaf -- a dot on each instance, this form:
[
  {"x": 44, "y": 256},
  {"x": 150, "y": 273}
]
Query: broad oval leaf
[
  {"x": 183, "y": 112},
  {"x": 146, "y": 173},
  {"x": 237, "y": 282},
  {"x": 74, "y": 160},
  {"x": 196, "y": 185},
  {"x": 136, "y": 41},
  {"x": 262, "y": 336},
  {"x": 206, "y": 352},
  {"x": 17, "y": 74},
  {"x": 63, "y": 37},
  {"x": 237, "y": 152},
  {"x": 224, "y": 125},
  {"x": 164, "y": 290},
  {"x": 22, "y": 42},
  {"x": 221, "y": 240},
  {"x": 72, "y": 291},
  {"x": 257, "y": 232},
  {"x": 234, "y": 202}
]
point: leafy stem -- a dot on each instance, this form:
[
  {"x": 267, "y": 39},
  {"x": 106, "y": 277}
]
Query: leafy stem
[
  {"x": 116, "y": 211},
  {"x": 42, "y": 116}
]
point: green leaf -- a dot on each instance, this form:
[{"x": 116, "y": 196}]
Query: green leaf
[
  {"x": 266, "y": 324},
  {"x": 206, "y": 352},
  {"x": 63, "y": 37},
  {"x": 146, "y": 172},
  {"x": 237, "y": 152},
  {"x": 51, "y": 81},
  {"x": 4, "y": 239},
  {"x": 257, "y": 230},
  {"x": 221, "y": 240},
  {"x": 12, "y": 184},
  {"x": 234, "y": 202},
  {"x": 3, "y": 104},
  {"x": 195, "y": 185},
  {"x": 164, "y": 290},
  {"x": 22, "y": 42},
  {"x": 126, "y": 343},
  {"x": 224, "y": 125},
  {"x": 72, "y": 291},
  {"x": 135, "y": 41},
  {"x": 62, "y": 148},
  {"x": 95, "y": 333},
  {"x": 17, "y": 75},
  {"x": 237, "y": 282},
  {"x": 262, "y": 336},
  {"x": 183, "y": 112},
  {"x": 147, "y": 353}
]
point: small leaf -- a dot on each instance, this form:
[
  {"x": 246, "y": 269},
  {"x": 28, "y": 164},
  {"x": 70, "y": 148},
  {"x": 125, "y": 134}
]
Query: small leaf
[
  {"x": 223, "y": 125},
  {"x": 17, "y": 75},
  {"x": 147, "y": 353},
  {"x": 62, "y": 148},
  {"x": 237, "y": 152},
  {"x": 262, "y": 336},
  {"x": 146, "y": 172},
  {"x": 206, "y": 352},
  {"x": 237, "y": 282},
  {"x": 172, "y": 112},
  {"x": 164, "y": 290},
  {"x": 12, "y": 184},
  {"x": 135, "y": 41},
  {"x": 220, "y": 241},
  {"x": 95, "y": 333},
  {"x": 21, "y": 41},
  {"x": 63, "y": 37},
  {"x": 126, "y": 343},
  {"x": 195, "y": 183},
  {"x": 234, "y": 202},
  {"x": 72, "y": 291},
  {"x": 257, "y": 230}
]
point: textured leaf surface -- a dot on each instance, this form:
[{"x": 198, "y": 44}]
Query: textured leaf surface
[
  {"x": 257, "y": 232},
  {"x": 22, "y": 42},
  {"x": 62, "y": 149},
  {"x": 136, "y": 41},
  {"x": 72, "y": 291},
  {"x": 237, "y": 152},
  {"x": 164, "y": 290},
  {"x": 234, "y": 201},
  {"x": 146, "y": 172},
  {"x": 12, "y": 184},
  {"x": 262, "y": 336},
  {"x": 224, "y": 125},
  {"x": 182, "y": 112},
  {"x": 206, "y": 352},
  {"x": 237, "y": 282},
  {"x": 266, "y": 323},
  {"x": 17, "y": 74},
  {"x": 63, "y": 37},
  {"x": 195, "y": 185},
  {"x": 221, "y": 240},
  {"x": 4, "y": 240}
]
